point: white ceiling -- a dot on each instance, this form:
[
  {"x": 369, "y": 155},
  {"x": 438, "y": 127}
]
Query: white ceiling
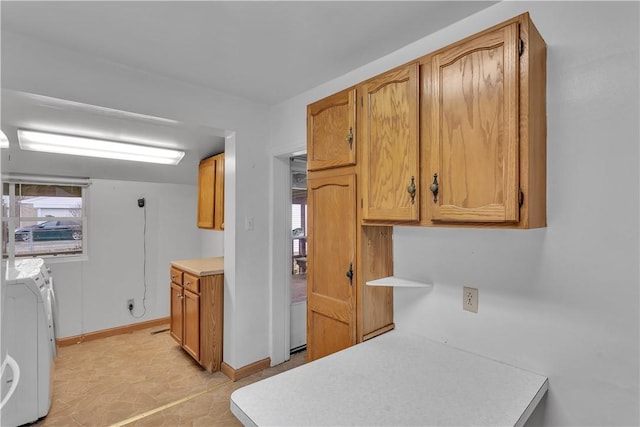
[
  {"x": 262, "y": 51},
  {"x": 28, "y": 111}
]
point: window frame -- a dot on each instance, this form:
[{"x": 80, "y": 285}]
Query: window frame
[{"x": 13, "y": 221}]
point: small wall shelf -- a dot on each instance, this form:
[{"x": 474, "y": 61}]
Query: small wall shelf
[{"x": 398, "y": 282}]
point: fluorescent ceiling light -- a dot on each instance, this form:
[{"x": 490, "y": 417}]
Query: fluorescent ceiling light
[
  {"x": 83, "y": 146},
  {"x": 4, "y": 141}
]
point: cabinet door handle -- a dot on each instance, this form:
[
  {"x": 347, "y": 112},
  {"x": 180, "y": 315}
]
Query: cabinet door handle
[
  {"x": 350, "y": 137},
  {"x": 350, "y": 273},
  {"x": 411, "y": 189},
  {"x": 188, "y": 283},
  {"x": 173, "y": 277},
  {"x": 434, "y": 187}
]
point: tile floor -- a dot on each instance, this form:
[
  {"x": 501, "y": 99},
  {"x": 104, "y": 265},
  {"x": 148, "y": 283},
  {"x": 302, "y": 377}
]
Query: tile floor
[
  {"x": 298, "y": 288},
  {"x": 141, "y": 379}
]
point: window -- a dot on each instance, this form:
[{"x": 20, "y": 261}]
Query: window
[
  {"x": 43, "y": 219},
  {"x": 298, "y": 222}
]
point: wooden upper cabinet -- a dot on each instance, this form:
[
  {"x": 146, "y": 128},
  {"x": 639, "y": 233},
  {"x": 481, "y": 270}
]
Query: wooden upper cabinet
[
  {"x": 331, "y": 131},
  {"x": 475, "y": 129},
  {"x": 389, "y": 120},
  {"x": 218, "y": 203},
  {"x": 206, "y": 177},
  {"x": 211, "y": 193},
  {"x": 485, "y": 158}
]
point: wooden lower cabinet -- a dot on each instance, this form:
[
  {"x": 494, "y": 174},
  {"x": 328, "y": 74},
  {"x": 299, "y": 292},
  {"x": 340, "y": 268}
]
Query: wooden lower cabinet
[
  {"x": 176, "y": 311},
  {"x": 196, "y": 316},
  {"x": 191, "y": 321}
]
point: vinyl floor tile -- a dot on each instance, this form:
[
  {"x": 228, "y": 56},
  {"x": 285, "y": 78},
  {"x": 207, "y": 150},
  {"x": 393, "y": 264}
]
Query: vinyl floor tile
[{"x": 142, "y": 378}]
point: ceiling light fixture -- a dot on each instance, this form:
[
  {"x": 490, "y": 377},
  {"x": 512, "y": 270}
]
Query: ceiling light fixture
[
  {"x": 4, "y": 141},
  {"x": 84, "y": 146}
]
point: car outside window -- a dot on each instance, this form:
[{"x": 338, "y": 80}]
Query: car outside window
[{"x": 43, "y": 219}]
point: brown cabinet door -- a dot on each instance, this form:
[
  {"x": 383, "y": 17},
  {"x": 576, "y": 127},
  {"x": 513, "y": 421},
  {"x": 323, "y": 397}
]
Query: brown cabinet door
[
  {"x": 331, "y": 131},
  {"x": 390, "y": 134},
  {"x": 206, "y": 190},
  {"x": 474, "y": 133},
  {"x": 191, "y": 338},
  {"x": 211, "y": 193},
  {"x": 175, "y": 328},
  {"x": 218, "y": 216},
  {"x": 331, "y": 311}
]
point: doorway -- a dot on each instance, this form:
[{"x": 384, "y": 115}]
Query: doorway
[{"x": 298, "y": 255}]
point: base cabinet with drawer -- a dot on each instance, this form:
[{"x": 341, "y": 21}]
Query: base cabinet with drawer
[{"x": 197, "y": 313}]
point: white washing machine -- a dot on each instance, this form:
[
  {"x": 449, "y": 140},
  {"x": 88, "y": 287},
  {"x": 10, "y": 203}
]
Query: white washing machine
[
  {"x": 51, "y": 305},
  {"x": 28, "y": 337},
  {"x": 48, "y": 295}
]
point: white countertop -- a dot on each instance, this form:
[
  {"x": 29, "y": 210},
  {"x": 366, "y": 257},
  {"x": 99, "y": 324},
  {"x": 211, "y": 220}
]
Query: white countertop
[{"x": 393, "y": 379}]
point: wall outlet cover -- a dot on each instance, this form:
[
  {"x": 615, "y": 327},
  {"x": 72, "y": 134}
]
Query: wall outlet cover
[{"x": 470, "y": 299}]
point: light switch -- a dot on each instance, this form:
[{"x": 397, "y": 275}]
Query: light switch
[{"x": 248, "y": 223}]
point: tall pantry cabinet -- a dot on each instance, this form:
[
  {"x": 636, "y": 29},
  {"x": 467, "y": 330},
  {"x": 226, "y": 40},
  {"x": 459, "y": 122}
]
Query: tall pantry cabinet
[
  {"x": 455, "y": 138},
  {"x": 341, "y": 310}
]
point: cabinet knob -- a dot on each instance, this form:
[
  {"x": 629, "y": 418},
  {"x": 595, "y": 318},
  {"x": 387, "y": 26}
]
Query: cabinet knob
[
  {"x": 411, "y": 189},
  {"x": 434, "y": 187},
  {"x": 188, "y": 283}
]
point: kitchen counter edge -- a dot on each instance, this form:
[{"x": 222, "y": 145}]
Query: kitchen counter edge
[{"x": 201, "y": 266}]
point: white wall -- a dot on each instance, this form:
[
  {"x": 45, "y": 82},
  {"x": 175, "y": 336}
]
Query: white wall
[
  {"x": 92, "y": 294},
  {"x": 564, "y": 300}
]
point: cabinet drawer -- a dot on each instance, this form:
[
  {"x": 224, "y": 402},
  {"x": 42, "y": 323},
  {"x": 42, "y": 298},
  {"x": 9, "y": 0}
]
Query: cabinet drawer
[
  {"x": 191, "y": 282},
  {"x": 176, "y": 276}
]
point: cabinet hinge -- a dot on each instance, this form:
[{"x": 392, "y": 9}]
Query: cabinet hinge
[
  {"x": 520, "y": 197},
  {"x": 520, "y": 47}
]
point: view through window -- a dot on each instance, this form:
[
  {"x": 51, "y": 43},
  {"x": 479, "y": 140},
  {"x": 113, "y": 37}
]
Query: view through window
[{"x": 43, "y": 219}]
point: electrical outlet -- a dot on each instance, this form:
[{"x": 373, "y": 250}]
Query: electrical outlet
[
  {"x": 130, "y": 304},
  {"x": 470, "y": 299}
]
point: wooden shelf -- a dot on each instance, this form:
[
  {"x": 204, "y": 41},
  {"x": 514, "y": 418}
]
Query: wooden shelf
[{"x": 398, "y": 282}]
